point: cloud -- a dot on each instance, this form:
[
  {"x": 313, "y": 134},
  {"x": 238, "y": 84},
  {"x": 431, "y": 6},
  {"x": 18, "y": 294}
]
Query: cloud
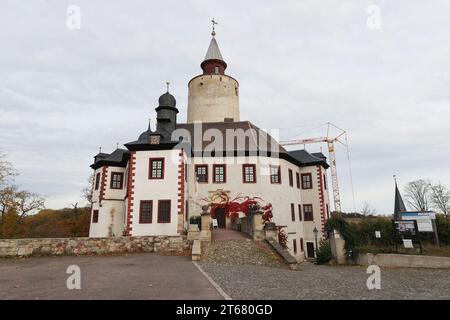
[{"x": 64, "y": 93}]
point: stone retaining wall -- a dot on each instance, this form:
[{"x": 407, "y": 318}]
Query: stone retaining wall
[
  {"x": 403, "y": 261},
  {"x": 81, "y": 246}
]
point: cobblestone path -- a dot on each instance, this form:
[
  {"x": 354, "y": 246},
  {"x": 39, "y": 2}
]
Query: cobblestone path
[
  {"x": 327, "y": 282},
  {"x": 240, "y": 252}
]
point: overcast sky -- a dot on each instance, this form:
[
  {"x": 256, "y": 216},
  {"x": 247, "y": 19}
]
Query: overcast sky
[{"x": 65, "y": 92}]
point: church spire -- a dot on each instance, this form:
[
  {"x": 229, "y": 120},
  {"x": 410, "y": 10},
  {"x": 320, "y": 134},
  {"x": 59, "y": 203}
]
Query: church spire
[
  {"x": 213, "y": 62},
  {"x": 399, "y": 205}
]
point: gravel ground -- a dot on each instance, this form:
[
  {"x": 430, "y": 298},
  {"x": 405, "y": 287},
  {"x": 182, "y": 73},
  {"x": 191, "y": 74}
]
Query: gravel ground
[{"x": 326, "y": 282}]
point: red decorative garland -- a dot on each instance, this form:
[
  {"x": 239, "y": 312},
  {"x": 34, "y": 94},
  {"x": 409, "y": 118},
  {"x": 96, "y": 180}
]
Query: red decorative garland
[{"x": 239, "y": 204}]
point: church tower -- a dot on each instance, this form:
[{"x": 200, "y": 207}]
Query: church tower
[{"x": 213, "y": 95}]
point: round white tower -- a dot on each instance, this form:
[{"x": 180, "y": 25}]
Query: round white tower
[{"x": 213, "y": 95}]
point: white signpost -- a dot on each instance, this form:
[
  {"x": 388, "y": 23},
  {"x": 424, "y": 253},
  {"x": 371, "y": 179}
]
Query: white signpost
[
  {"x": 424, "y": 219},
  {"x": 407, "y": 243}
]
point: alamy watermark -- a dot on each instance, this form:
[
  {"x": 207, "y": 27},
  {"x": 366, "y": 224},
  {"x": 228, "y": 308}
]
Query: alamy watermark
[
  {"x": 74, "y": 280},
  {"x": 373, "y": 21},
  {"x": 374, "y": 280},
  {"x": 230, "y": 145},
  {"x": 73, "y": 20}
]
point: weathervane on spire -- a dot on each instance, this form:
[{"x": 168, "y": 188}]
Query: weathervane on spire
[
  {"x": 167, "y": 84},
  {"x": 213, "y": 33}
]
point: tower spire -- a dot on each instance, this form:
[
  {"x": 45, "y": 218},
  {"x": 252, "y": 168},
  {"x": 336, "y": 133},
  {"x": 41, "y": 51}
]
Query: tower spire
[{"x": 213, "y": 62}]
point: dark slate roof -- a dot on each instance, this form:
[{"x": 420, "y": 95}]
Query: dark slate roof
[
  {"x": 257, "y": 142},
  {"x": 319, "y": 155},
  {"x": 254, "y": 141},
  {"x": 118, "y": 158},
  {"x": 143, "y": 142},
  {"x": 167, "y": 100},
  {"x": 399, "y": 205},
  {"x": 308, "y": 158}
]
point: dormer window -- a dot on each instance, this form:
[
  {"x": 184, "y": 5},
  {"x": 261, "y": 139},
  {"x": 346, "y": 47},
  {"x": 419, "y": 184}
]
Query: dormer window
[{"x": 155, "y": 139}]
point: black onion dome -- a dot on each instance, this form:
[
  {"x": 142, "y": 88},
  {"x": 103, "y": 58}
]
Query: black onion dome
[{"x": 167, "y": 100}]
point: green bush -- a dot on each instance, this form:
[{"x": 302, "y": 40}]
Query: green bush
[
  {"x": 348, "y": 231},
  {"x": 323, "y": 254},
  {"x": 366, "y": 232},
  {"x": 196, "y": 220},
  {"x": 363, "y": 233},
  {"x": 443, "y": 227}
]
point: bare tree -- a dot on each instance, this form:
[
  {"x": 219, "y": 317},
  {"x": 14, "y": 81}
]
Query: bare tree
[
  {"x": 27, "y": 202},
  {"x": 440, "y": 198},
  {"x": 7, "y": 200},
  {"x": 417, "y": 194},
  {"x": 6, "y": 170},
  {"x": 86, "y": 193},
  {"x": 368, "y": 210},
  {"x": 75, "y": 208}
]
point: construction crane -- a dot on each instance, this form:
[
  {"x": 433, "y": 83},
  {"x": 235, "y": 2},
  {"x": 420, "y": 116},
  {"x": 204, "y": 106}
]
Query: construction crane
[{"x": 330, "y": 140}]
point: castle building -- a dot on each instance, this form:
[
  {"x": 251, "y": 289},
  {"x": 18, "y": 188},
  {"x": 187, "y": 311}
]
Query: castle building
[{"x": 162, "y": 179}]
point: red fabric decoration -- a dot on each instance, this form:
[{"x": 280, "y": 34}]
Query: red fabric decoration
[{"x": 236, "y": 205}]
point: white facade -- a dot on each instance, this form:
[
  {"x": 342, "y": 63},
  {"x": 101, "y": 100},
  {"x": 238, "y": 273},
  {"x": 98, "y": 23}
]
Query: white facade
[
  {"x": 212, "y": 98},
  {"x": 155, "y": 190},
  {"x": 113, "y": 206},
  {"x": 281, "y": 195},
  {"x": 109, "y": 203}
]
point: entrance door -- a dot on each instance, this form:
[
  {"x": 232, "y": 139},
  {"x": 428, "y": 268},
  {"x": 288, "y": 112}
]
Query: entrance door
[
  {"x": 220, "y": 216},
  {"x": 310, "y": 249}
]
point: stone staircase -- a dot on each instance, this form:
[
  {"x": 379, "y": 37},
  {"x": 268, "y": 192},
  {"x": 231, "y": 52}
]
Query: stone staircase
[{"x": 245, "y": 251}]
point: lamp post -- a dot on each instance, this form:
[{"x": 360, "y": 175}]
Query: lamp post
[{"x": 316, "y": 233}]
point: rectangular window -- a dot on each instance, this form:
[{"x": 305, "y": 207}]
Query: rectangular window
[
  {"x": 325, "y": 181},
  {"x": 297, "y": 179},
  {"x": 146, "y": 211},
  {"x": 308, "y": 212},
  {"x": 97, "y": 181},
  {"x": 299, "y": 212},
  {"x": 301, "y": 244},
  {"x": 201, "y": 173},
  {"x": 291, "y": 178},
  {"x": 328, "y": 211},
  {"x": 219, "y": 173},
  {"x": 306, "y": 181},
  {"x": 116, "y": 180},
  {"x": 156, "y": 170},
  {"x": 95, "y": 216},
  {"x": 275, "y": 174},
  {"x": 249, "y": 173},
  {"x": 294, "y": 242},
  {"x": 292, "y": 212},
  {"x": 164, "y": 211}
]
